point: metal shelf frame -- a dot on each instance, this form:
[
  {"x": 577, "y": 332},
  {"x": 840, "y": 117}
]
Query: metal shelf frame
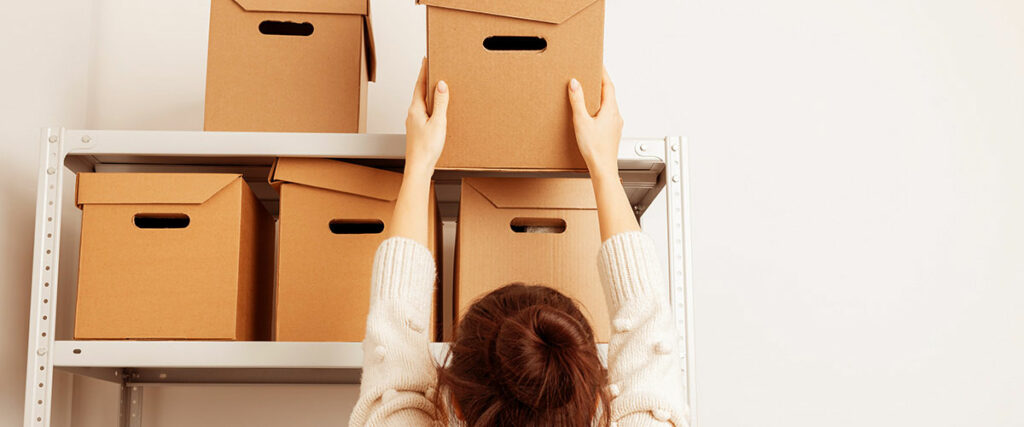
[{"x": 648, "y": 166}]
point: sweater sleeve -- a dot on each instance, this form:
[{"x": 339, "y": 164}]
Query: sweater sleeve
[
  {"x": 645, "y": 373},
  {"x": 398, "y": 371}
]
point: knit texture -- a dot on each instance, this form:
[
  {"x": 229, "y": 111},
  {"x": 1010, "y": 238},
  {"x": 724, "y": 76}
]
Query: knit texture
[
  {"x": 398, "y": 370},
  {"x": 645, "y": 373},
  {"x": 644, "y": 368}
]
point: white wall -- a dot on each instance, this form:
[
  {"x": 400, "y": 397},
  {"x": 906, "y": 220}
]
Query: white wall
[
  {"x": 857, "y": 200},
  {"x": 855, "y": 193},
  {"x": 44, "y": 52}
]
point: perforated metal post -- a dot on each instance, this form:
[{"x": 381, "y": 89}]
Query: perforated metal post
[
  {"x": 131, "y": 402},
  {"x": 677, "y": 205},
  {"x": 39, "y": 372}
]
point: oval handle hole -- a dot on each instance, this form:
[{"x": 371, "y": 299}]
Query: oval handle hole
[
  {"x": 161, "y": 220},
  {"x": 286, "y": 28},
  {"x": 357, "y": 226},
  {"x": 506, "y": 43},
  {"x": 77, "y": 351},
  {"x": 538, "y": 225}
]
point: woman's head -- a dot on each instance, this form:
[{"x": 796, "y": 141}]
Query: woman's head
[{"x": 525, "y": 356}]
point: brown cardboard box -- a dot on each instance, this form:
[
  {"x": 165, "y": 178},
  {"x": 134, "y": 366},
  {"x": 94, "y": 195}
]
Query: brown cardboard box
[
  {"x": 258, "y": 79},
  {"x": 510, "y": 108},
  {"x": 173, "y": 256},
  {"x": 531, "y": 230},
  {"x": 333, "y": 217}
]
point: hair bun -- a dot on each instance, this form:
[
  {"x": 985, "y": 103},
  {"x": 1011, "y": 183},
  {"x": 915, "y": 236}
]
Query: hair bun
[{"x": 541, "y": 356}]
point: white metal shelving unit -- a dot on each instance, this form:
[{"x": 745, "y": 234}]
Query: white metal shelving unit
[{"x": 647, "y": 166}]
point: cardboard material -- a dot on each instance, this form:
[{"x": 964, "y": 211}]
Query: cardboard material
[
  {"x": 509, "y": 108},
  {"x": 173, "y": 256},
  {"x": 323, "y": 278},
  {"x": 258, "y": 79},
  {"x": 531, "y": 230}
]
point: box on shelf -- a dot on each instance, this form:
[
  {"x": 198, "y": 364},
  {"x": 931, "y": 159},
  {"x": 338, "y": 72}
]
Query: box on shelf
[
  {"x": 515, "y": 59},
  {"x": 288, "y": 66},
  {"x": 173, "y": 256},
  {"x": 530, "y": 230},
  {"x": 333, "y": 215}
]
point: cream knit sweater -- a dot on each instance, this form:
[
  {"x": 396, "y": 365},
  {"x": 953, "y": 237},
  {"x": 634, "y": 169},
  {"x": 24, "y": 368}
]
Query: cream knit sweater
[{"x": 644, "y": 372}]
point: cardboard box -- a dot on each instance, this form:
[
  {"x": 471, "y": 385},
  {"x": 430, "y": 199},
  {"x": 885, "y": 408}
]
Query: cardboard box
[
  {"x": 531, "y": 230},
  {"x": 333, "y": 217},
  {"x": 510, "y": 108},
  {"x": 173, "y": 256},
  {"x": 288, "y": 65}
]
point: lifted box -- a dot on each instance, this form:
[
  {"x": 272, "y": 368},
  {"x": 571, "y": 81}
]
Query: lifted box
[{"x": 508, "y": 64}]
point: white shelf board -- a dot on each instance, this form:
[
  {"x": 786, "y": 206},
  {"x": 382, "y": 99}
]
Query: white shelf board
[
  {"x": 168, "y": 147},
  {"x": 223, "y": 362},
  {"x": 208, "y": 354},
  {"x": 242, "y": 362},
  {"x": 641, "y": 160}
]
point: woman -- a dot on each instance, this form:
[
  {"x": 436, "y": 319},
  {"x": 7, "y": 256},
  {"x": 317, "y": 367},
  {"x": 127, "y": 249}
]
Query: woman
[{"x": 522, "y": 355}]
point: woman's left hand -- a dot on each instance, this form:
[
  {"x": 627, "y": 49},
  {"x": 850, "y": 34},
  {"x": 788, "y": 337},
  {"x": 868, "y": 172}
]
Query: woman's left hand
[{"x": 425, "y": 134}]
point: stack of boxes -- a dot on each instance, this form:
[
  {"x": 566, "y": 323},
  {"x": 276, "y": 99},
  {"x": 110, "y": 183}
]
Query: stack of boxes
[{"x": 194, "y": 256}]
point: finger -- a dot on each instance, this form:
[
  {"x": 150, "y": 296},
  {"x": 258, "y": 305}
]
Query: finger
[
  {"x": 419, "y": 102},
  {"x": 577, "y": 101},
  {"x": 441, "y": 95},
  {"x": 608, "y": 101}
]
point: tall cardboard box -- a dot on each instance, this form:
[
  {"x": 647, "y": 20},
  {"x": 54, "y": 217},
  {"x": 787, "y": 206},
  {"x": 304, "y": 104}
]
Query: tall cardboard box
[
  {"x": 173, "y": 256},
  {"x": 288, "y": 65},
  {"x": 509, "y": 64},
  {"x": 532, "y": 230},
  {"x": 333, "y": 217}
]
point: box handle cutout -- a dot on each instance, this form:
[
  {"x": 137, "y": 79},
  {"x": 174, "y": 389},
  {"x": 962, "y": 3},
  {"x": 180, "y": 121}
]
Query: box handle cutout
[
  {"x": 520, "y": 43},
  {"x": 161, "y": 220},
  {"x": 538, "y": 225},
  {"x": 357, "y": 226},
  {"x": 286, "y": 28}
]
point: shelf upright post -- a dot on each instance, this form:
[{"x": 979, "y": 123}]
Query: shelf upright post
[
  {"x": 131, "y": 402},
  {"x": 43, "y": 305},
  {"x": 677, "y": 182}
]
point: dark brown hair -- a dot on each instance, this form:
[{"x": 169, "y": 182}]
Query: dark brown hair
[{"x": 524, "y": 356}]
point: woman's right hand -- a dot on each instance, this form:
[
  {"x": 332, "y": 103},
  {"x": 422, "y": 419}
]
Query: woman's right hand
[
  {"x": 425, "y": 134},
  {"x": 597, "y": 136},
  {"x": 424, "y": 141}
]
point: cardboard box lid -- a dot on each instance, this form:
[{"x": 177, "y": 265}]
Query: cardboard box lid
[
  {"x": 554, "y": 12},
  {"x": 535, "y": 193},
  {"x": 337, "y": 176},
  {"x": 335, "y": 7},
  {"x": 149, "y": 188}
]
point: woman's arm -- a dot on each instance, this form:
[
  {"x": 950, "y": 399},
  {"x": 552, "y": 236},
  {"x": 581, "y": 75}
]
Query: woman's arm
[
  {"x": 424, "y": 141},
  {"x": 598, "y": 139},
  {"x": 645, "y": 375},
  {"x": 398, "y": 370}
]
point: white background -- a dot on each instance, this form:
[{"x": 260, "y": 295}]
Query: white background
[{"x": 856, "y": 177}]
